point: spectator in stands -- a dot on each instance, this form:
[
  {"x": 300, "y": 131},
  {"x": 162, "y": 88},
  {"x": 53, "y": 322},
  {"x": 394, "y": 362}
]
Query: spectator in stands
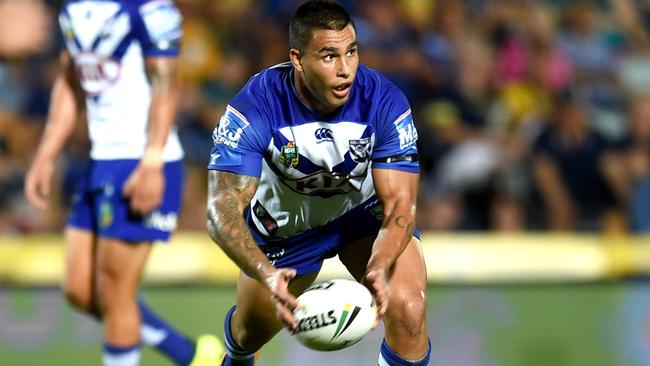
[
  {"x": 638, "y": 159},
  {"x": 572, "y": 166},
  {"x": 530, "y": 49},
  {"x": 462, "y": 159}
]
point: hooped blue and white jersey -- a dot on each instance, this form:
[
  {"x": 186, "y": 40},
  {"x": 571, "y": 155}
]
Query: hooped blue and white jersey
[
  {"x": 312, "y": 169},
  {"x": 108, "y": 41}
]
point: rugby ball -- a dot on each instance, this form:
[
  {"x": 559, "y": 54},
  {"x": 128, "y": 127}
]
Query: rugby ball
[{"x": 334, "y": 314}]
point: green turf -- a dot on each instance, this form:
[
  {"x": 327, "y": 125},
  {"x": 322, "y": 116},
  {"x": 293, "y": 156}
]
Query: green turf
[{"x": 590, "y": 325}]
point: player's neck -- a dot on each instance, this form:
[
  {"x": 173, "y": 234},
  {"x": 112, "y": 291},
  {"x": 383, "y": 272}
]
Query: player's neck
[{"x": 309, "y": 100}]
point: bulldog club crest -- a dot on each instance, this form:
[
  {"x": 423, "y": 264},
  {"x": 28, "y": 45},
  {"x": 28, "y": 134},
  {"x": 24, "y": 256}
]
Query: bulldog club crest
[
  {"x": 360, "y": 149},
  {"x": 289, "y": 155}
]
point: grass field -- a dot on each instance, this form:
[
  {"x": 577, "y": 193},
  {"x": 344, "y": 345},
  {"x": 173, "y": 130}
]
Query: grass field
[{"x": 546, "y": 325}]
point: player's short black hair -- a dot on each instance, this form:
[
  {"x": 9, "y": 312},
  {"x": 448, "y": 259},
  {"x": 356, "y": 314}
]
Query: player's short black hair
[{"x": 316, "y": 14}]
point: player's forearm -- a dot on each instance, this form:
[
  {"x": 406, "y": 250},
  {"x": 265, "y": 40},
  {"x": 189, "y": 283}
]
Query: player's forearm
[
  {"x": 397, "y": 191},
  {"x": 61, "y": 120},
  {"x": 163, "y": 79},
  {"x": 228, "y": 195},
  {"x": 395, "y": 234},
  {"x": 229, "y": 230}
]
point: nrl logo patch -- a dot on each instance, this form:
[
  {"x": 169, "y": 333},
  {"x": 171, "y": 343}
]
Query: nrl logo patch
[
  {"x": 360, "y": 149},
  {"x": 105, "y": 214},
  {"x": 289, "y": 155}
]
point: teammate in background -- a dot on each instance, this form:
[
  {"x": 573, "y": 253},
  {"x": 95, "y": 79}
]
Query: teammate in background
[
  {"x": 314, "y": 158},
  {"x": 122, "y": 56}
]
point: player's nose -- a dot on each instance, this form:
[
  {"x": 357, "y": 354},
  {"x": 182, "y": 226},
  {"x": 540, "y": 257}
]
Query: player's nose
[{"x": 344, "y": 69}]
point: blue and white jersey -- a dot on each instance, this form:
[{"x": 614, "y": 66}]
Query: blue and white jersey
[
  {"x": 108, "y": 41},
  {"x": 312, "y": 169}
]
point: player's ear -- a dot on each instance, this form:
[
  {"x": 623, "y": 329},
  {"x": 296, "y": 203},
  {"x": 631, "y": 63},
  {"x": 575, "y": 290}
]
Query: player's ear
[{"x": 296, "y": 59}]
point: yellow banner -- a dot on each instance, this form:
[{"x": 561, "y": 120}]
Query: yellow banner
[{"x": 450, "y": 258}]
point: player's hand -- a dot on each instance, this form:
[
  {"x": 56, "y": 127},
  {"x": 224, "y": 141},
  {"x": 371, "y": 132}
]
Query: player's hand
[
  {"x": 145, "y": 188},
  {"x": 38, "y": 183},
  {"x": 278, "y": 283},
  {"x": 376, "y": 280}
]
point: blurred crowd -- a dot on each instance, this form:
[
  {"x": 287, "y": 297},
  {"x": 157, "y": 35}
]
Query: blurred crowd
[{"x": 532, "y": 115}]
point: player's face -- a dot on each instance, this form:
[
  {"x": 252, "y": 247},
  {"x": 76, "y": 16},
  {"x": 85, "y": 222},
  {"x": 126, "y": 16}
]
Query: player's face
[{"x": 326, "y": 69}]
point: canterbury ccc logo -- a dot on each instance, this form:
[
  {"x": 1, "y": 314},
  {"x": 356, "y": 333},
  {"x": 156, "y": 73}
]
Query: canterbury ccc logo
[
  {"x": 344, "y": 322},
  {"x": 324, "y": 134}
]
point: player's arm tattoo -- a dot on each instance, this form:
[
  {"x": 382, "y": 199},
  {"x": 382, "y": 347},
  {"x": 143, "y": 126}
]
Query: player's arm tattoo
[
  {"x": 401, "y": 222},
  {"x": 228, "y": 196}
]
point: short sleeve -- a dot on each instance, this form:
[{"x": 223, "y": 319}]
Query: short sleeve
[
  {"x": 157, "y": 26},
  {"x": 395, "y": 131},
  {"x": 240, "y": 139}
]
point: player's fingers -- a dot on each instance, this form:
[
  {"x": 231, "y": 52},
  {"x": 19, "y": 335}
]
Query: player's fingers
[
  {"x": 382, "y": 306},
  {"x": 282, "y": 310},
  {"x": 290, "y": 301},
  {"x": 278, "y": 285},
  {"x": 377, "y": 317},
  {"x": 127, "y": 190},
  {"x": 382, "y": 299},
  {"x": 289, "y": 273},
  {"x": 137, "y": 202},
  {"x": 130, "y": 187},
  {"x": 146, "y": 202},
  {"x": 380, "y": 302},
  {"x": 34, "y": 198},
  {"x": 286, "y": 317},
  {"x": 381, "y": 310},
  {"x": 148, "y": 194},
  {"x": 375, "y": 324},
  {"x": 380, "y": 292},
  {"x": 286, "y": 299},
  {"x": 286, "y": 275},
  {"x": 44, "y": 187},
  {"x": 30, "y": 189},
  {"x": 44, "y": 192},
  {"x": 153, "y": 201},
  {"x": 142, "y": 199},
  {"x": 33, "y": 195}
]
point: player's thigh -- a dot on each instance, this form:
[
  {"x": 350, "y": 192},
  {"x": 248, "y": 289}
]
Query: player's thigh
[
  {"x": 355, "y": 256},
  {"x": 119, "y": 267},
  {"x": 408, "y": 280},
  {"x": 254, "y": 321},
  {"x": 80, "y": 243},
  {"x": 79, "y": 266}
]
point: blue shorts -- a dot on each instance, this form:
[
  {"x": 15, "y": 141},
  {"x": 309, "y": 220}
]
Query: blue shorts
[
  {"x": 306, "y": 251},
  {"x": 98, "y": 205}
]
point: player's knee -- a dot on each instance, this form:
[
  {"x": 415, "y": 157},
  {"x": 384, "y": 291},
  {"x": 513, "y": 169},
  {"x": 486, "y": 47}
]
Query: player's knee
[
  {"x": 407, "y": 314},
  {"x": 108, "y": 290},
  {"x": 80, "y": 297}
]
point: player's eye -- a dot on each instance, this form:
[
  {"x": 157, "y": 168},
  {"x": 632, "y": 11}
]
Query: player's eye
[
  {"x": 328, "y": 58},
  {"x": 352, "y": 52}
]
